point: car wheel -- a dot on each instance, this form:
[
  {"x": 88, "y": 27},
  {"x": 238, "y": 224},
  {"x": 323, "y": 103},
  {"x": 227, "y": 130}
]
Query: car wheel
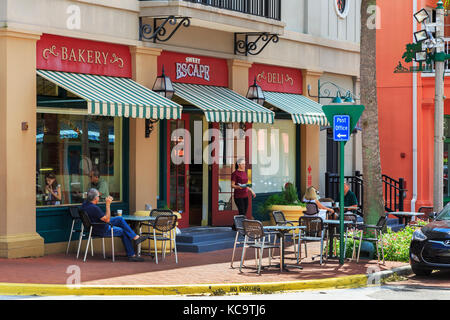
[{"x": 418, "y": 271}]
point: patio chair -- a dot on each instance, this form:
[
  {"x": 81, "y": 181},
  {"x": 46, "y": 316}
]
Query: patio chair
[
  {"x": 314, "y": 231},
  {"x": 378, "y": 229},
  {"x": 280, "y": 220},
  {"x": 255, "y": 238},
  {"x": 75, "y": 215},
  {"x": 163, "y": 231},
  {"x": 88, "y": 225},
  {"x": 238, "y": 219},
  {"x": 311, "y": 209},
  {"x": 428, "y": 211},
  {"x": 337, "y": 232}
]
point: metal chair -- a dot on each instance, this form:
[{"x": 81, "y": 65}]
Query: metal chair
[
  {"x": 164, "y": 224},
  {"x": 336, "y": 229},
  {"x": 280, "y": 220},
  {"x": 253, "y": 230},
  {"x": 75, "y": 215},
  {"x": 428, "y": 211},
  {"x": 378, "y": 228},
  {"x": 88, "y": 225},
  {"x": 239, "y": 233},
  {"x": 314, "y": 231},
  {"x": 311, "y": 209}
]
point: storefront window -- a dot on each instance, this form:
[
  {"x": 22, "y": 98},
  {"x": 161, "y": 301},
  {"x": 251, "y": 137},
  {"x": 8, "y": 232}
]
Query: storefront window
[
  {"x": 273, "y": 156},
  {"x": 75, "y": 153},
  {"x": 231, "y": 148},
  {"x": 446, "y": 152}
]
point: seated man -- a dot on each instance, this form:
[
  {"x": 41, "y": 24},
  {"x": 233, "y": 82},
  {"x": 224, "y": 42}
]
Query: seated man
[
  {"x": 350, "y": 200},
  {"x": 120, "y": 227}
]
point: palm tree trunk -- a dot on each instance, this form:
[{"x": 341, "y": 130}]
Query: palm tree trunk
[{"x": 373, "y": 186}]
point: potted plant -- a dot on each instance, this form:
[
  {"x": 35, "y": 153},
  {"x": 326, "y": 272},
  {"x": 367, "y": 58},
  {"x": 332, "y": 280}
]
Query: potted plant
[{"x": 287, "y": 201}]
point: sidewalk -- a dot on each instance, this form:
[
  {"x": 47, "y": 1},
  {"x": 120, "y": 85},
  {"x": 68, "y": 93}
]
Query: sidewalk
[{"x": 193, "y": 269}]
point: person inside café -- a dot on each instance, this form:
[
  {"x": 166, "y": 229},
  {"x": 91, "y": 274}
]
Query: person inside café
[
  {"x": 119, "y": 225},
  {"x": 311, "y": 196},
  {"x": 99, "y": 184},
  {"x": 52, "y": 190}
]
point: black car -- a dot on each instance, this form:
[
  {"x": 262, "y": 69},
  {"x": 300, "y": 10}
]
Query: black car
[{"x": 430, "y": 245}]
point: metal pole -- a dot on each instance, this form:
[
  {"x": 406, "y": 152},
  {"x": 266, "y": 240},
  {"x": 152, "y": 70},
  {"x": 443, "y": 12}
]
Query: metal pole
[
  {"x": 341, "y": 203},
  {"x": 438, "y": 184}
]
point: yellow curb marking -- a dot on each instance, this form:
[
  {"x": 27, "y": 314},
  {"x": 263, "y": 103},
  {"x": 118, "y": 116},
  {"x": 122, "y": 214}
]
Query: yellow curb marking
[{"x": 211, "y": 289}]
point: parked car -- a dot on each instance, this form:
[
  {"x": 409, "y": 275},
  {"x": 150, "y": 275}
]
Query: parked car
[{"x": 430, "y": 245}]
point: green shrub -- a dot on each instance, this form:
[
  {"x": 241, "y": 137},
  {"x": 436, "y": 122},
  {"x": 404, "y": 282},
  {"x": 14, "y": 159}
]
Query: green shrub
[
  {"x": 396, "y": 244},
  {"x": 287, "y": 197}
]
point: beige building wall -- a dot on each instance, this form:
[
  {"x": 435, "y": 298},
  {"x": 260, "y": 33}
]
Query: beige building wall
[
  {"x": 18, "y": 237},
  {"x": 143, "y": 151}
]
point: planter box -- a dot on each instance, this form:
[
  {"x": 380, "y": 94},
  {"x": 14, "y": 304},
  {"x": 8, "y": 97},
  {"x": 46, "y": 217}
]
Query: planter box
[{"x": 292, "y": 213}]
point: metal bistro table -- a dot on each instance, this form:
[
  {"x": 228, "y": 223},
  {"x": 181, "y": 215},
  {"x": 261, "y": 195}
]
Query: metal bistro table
[
  {"x": 282, "y": 230},
  {"x": 139, "y": 220},
  {"x": 406, "y": 216},
  {"x": 347, "y": 224}
]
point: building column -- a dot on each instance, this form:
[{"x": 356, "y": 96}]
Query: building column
[
  {"x": 18, "y": 236},
  {"x": 309, "y": 138},
  {"x": 143, "y": 151},
  {"x": 238, "y": 75}
]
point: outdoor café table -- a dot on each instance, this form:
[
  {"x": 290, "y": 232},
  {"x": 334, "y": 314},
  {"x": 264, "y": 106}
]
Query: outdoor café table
[
  {"x": 347, "y": 224},
  {"x": 406, "y": 216},
  {"x": 139, "y": 220},
  {"x": 282, "y": 230}
]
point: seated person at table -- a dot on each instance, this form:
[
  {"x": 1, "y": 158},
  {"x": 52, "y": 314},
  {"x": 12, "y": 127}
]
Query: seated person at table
[
  {"x": 350, "y": 200},
  {"x": 311, "y": 196},
  {"x": 120, "y": 227}
]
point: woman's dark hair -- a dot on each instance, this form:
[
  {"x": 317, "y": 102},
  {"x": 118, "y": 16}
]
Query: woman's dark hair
[
  {"x": 51, "y": 176},
  {"x": 236, "y": 165}
]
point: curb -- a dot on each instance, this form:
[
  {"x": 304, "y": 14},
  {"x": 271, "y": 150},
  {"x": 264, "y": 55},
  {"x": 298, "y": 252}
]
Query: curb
[{"x": 348, "y": 282}]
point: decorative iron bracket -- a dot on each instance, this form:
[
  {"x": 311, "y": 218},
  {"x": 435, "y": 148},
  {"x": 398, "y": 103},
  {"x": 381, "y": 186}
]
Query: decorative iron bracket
[
  {"x": 159, "y": 31},
  {"x": 325, "y": 91},
  {"x": 149, "y": 126},
  {"x": 244, "y": 46}
]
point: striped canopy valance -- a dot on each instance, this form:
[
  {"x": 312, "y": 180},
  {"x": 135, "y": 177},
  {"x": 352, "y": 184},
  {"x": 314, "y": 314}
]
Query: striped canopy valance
[
  {"x": 221, "y": 104},
  {"x": 302, "y": 109},
  {"x": 114, "y": 96}
]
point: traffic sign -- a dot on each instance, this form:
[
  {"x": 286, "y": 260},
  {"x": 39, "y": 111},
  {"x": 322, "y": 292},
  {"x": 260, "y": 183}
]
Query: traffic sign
[{"x": 341, "y": 127}]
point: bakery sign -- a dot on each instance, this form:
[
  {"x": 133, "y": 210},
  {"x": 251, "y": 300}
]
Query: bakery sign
[
  {"x": 194, "y": 69},
  {"x": 82, "y": 56},
  {"x": 276, "y": 78}
]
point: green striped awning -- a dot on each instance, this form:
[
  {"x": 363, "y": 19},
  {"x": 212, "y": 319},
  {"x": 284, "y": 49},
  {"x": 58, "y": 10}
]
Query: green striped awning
[
  {"x": 302, "y": 109},
  {"x": 113, "y": 96},
  {"x": 222, "y": 104}
]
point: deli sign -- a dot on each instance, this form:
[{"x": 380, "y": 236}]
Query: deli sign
[
  {"x": 83, "y": 56},
  {"x": 276, "y": 78}
]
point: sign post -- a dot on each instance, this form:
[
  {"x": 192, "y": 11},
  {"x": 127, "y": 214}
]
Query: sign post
[{"x": 343, "y": 119}]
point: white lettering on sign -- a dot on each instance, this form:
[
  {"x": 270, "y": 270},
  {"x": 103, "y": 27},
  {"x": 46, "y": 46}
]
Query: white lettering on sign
[{"x": 192, "y": 68}]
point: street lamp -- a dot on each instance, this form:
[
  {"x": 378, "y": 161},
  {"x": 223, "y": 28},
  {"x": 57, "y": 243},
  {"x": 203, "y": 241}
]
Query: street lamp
[
  {"x": 433, "y": 48},
  {"x": 256, "y": 94},
  {"x": 163, "y": 86},
  {"x": 421, "y": 16}
]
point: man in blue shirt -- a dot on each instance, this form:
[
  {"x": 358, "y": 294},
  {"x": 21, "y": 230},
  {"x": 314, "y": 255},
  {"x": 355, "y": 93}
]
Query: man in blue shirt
[{"x": 120, "y": 227}]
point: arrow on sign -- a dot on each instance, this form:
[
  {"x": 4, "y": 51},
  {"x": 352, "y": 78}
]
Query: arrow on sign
[{"x": 341, "y": 135}]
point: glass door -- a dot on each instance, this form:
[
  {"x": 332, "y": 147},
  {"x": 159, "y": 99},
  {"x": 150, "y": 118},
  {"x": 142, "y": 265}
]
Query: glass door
[
  {"x": 232, "y": 144},
  {"x": 178, "y": 156}
]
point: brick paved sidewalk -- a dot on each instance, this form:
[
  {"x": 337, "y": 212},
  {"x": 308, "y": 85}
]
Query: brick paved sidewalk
[{"x": 192, "y": 268}]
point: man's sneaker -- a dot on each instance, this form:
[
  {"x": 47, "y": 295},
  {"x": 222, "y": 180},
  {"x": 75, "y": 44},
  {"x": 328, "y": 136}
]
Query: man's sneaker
[
  {"x": 141, "y": 239},
  {"x": 136, "y": 259}
]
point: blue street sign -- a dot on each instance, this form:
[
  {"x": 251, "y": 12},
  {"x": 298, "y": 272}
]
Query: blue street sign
[{"x": 341, "y": 127}]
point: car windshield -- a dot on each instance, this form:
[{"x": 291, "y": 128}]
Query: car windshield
[{"x": 445, "y": 213}]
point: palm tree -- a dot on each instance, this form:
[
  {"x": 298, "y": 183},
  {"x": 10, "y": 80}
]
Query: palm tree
[{"x": 373, "y": 186}]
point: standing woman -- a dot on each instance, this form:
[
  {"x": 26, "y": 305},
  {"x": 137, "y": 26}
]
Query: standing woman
[
  {"x": 52, "y": 190},
  {"x": 239, "y": 179}
]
